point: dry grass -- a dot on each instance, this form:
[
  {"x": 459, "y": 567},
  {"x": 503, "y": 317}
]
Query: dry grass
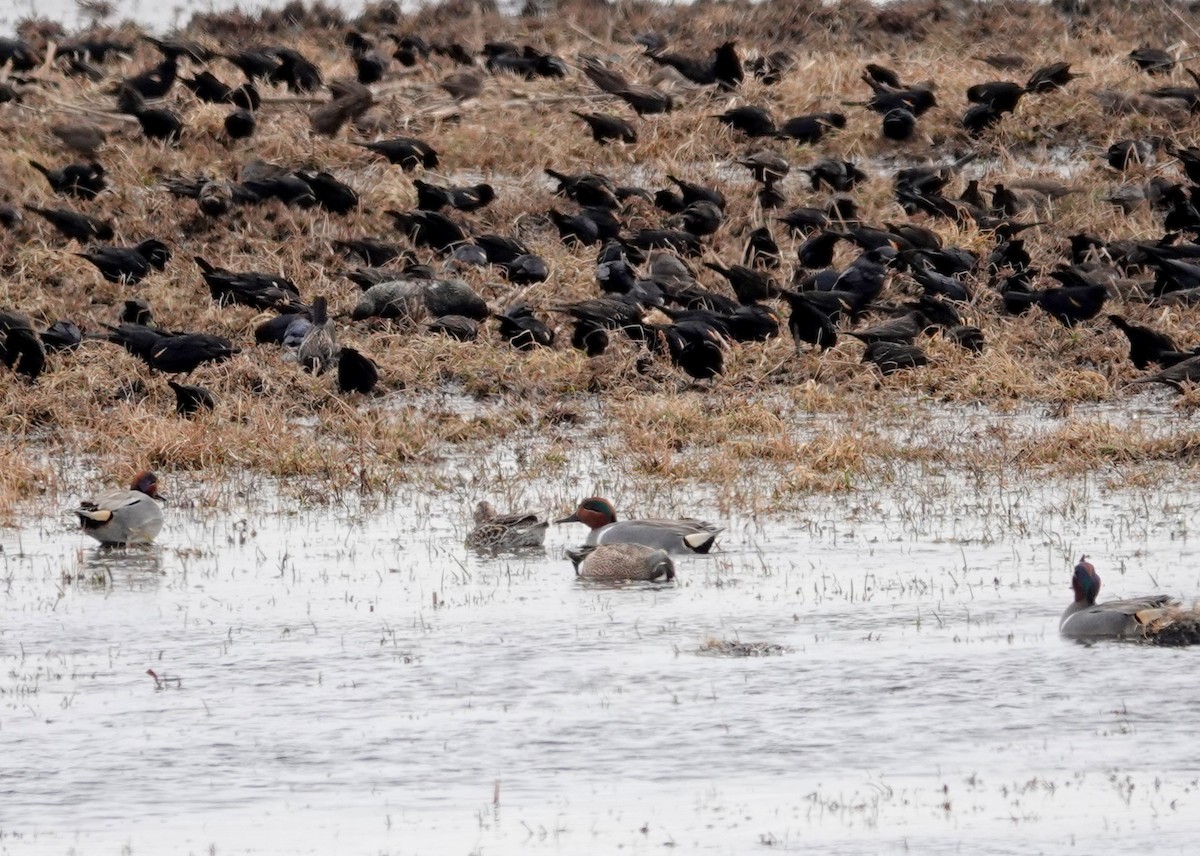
[{"x": 778, "y": 422}]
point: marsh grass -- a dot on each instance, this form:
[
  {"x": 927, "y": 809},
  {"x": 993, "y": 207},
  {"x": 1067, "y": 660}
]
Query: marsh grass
[{"x": 777, "y": 424}]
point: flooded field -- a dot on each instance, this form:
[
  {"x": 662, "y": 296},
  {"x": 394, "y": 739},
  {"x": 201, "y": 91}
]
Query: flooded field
[{"x": 350, "y": 679}]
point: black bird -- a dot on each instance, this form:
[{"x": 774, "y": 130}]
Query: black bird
[
  {"x": 240, "y": 124},
  {"x": 766, "y": 167},
  {"x": 1051, "y": 77},
  {"x": 406, "y": 152},
  {"x": 684, "y": 243},
  {"x": 695, "y": 347},
  {"x": 82, "y": 180},
  {"x": 356, "y": 373},
  {"x": 1152, "y": 60},
  {"x": 810, "y": 128},
  {"x": 526, "y": 269},
  {"x": 701, "y": 218},
  {"x": 153, "y": 82},
  {"x": 296, "y": 71},
  {"x": 891, "y": 357},
  {"x": 333, "y": 195},
  {"x": 804, "y": 221},
  {"x": 1001, "y": 95},
  {"x": 575, "y": 230},
  {"x": 606, "y": 127},
  {"x": 523, "y": 329},
  {"x": 430, "y": 197},
  {"x": 250, "y": 288},
  {"x": 429, "y": 229},
  {"x": 1123, "y": 154},
  {"x": 750, "y": 120},
  {"x": 73, "y": 224},
  {"x": 374, "y": 253},
  {"x": 817, "y": 251},
  {"x": 899, "y": 124},
  {"x": 761, "y": 249},
  {"x": 458, "y": 327},
  {"x": 500, "y": 249},
  {"x": 23, "y": 352},
  {"x": 137, "y": 311},
  {"x": 692, "y": 192},
  {"x": 1069, "y": 305},
  {"x": 190, "y": 400},
  {"x": 588, "y": 189},
  {"x": 839, "y": 176},
  {"x": 182, "y": 353},
  {"x": 727, "y": 66},
  {"x": 808, "y": 321},
  {"x": 62, "y": 336},
  {"x": 254, "y": 63},
  {"x": 748, "y": 284},
  {"x": 1146, "y": 345},
  {"x": 980, "y": 117},
  {"x": 966, "y": 337},
  {"x": 1186, "y": 371},
  {"x": 903, "y": 329},
  {"x": 138, "y": 339},
  {"x": 128, "y": 264},
  {"x": 207, "y": 87},
  {"x": 158, "y": 123}
]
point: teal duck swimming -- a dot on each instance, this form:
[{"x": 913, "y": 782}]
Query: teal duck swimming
[
  {"x": 1136, "y": 618},
  {"x": 675, "y": 536},
  {"x": 505, "y": 531},
  {"x": 622, "y": 562},
  {"x": 121, "y": 517}
]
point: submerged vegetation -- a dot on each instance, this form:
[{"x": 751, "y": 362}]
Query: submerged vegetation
[{"x": 1042, "y": 188}]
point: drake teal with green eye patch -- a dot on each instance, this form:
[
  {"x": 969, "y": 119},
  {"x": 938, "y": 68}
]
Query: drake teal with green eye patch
[
  {"x": 121, "y": 517},
  {"x": 1135, "y": 618},
  {"x": 616, "y": 562},
  {"x": 686, "y": 535}
]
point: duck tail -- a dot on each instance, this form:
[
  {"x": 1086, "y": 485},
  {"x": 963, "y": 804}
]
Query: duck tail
[{"x": 700, "y": 542}]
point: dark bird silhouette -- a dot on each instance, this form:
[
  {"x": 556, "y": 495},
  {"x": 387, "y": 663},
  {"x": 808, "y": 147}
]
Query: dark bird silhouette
[
  {"x": 158, "y": 123},
  {"x": 1070, "y": 305},
  {"x": 1001, "y": 95},
  {"x": 766, "y": 167},
  {"x": 904, "y": 329},
  {"x": 967, "y": 337},
  {"x": 808, "y": 321},
  {"x": 523, "y": 330},
  {"x": 431, "y": 197},
  {"x": 128, "y": 264},
  {"x": 575, "y": 230},
  {"x": 727, "y": 66},
  {"x": 750, "y": 120},
  {"x": 62, "y": 336},
  {"x": 75, "y": 225},
  {"x": 839, "y": 176},
  {"x": 501, "y": 249},
  {"x": 646, "y": 100},
  {"x": 456, "y": 327},
  {"x": 771, "y": 68},
  {"x": 526, "y": 269},
  {"x": 606, "y": 127},
  {"x": 295, "y": 71},
  {"x": 255, "y": 289},
  {"x": 696, "y": 348},
  {"x": 1152, "y": 60},
  {"x": 1051, "y": 77},
  {"x": 692, "y": 192},
  {"x": 23, "y": 352},
  {"x": 81, "y": 180},
  {"x": 429, "y": 229},
  {"x": 373, "y": 252},
  {"x": 761, "y": 249},
  {"x": 804, "y": 221},
  {"x": 810, "y": 128},
  {"x": 240, "y": 124},
  {"x": 208, "y": 87},
  {"x": 589, "y": 189},
  {"x": 1184, "y": 372},
  {"x": 701, "y": 218},
  {"x": 892, "y": 357},
  {"x": 190, "y": 399},
  {"x": 406, "y": 152},
  {"x": 748, "y": 284},
  {"x": 154, "y": 82},
  {"x": 356, "y": 373},
  {"x": 1146, "y": 345},
  {"x": 183, "y": 353}
]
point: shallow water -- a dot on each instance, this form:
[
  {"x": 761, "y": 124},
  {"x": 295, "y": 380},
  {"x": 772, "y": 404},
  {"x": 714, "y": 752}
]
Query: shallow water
[{"x": 312, "y": 698}]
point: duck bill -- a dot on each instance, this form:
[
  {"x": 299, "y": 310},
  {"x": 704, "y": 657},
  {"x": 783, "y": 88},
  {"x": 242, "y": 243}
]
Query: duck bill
[{"x": 573, "y": 517}]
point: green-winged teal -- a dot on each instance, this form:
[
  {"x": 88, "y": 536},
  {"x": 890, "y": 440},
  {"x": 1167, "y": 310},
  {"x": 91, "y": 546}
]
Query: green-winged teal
[
  {"x": 1136, "y": 618},
  {"x": 622, "y": 562},
  {"x": 124, "y": 516},
  {"x": 505, "y": 531},
  {"x": 675, "y": 536}
]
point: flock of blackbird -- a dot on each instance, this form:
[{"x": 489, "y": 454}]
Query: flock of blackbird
[{"x": 904, "y": 281}]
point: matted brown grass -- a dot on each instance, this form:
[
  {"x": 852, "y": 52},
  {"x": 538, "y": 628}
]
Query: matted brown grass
[{"x": 777, "y": 423}]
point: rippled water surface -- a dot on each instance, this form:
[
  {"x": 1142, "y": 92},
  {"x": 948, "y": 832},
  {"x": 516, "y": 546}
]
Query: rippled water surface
[{"x": 351, "y": 680}]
